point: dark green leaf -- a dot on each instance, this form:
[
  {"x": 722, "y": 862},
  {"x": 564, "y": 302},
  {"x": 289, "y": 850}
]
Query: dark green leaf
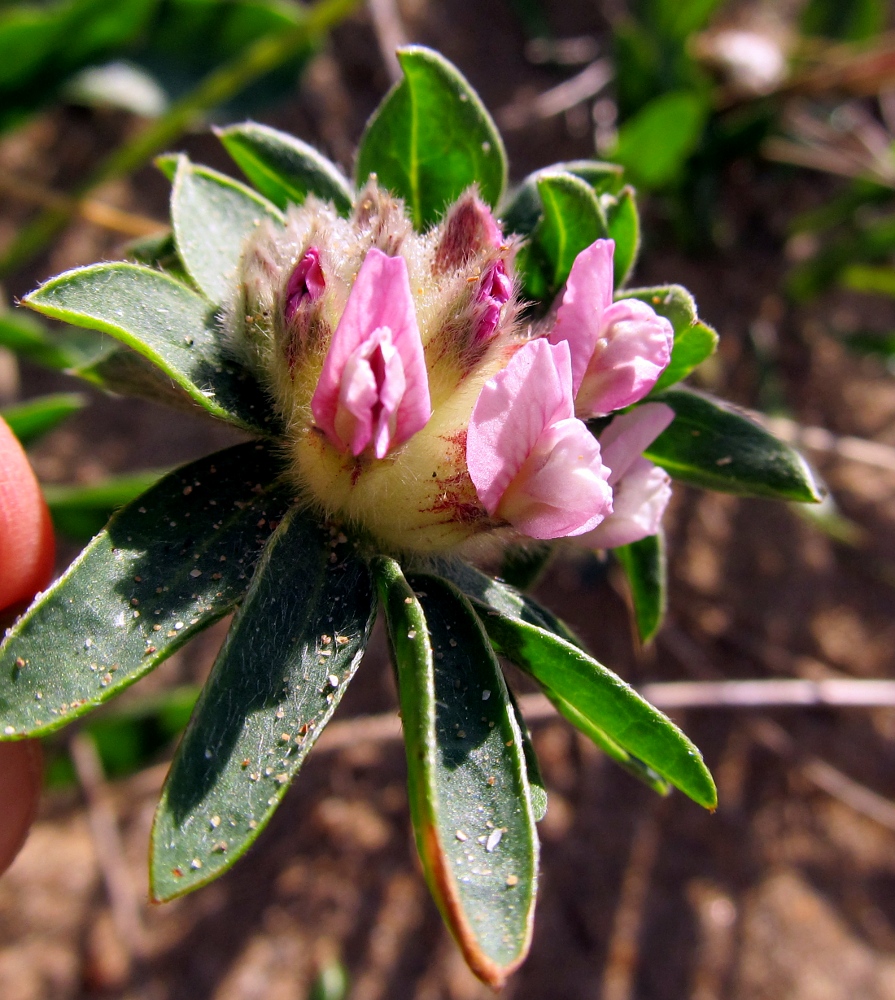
[
  {"x": 159, "y": 251},
  {"x": 623, "y": 224},
  {"x": 645, "y": 567},
  {"x": 292, "y": 649},
  {"x": 431, "y": 138},
  {"x": 713, "y": 445},
  {"x": 165, "y": 322},
  {"x": 283, "y": 168},
  {"x": 655, "y": 144},
  {"x": 604, "y": 700},
  {"x": 213, "y": 215},
  {"x": 489, "y": 594},
  {"x": 571, "y": 220},
  {"x": 81, "y": 511},
  {"x": 853, "y": 21},
  {"x": 694, "y": 340},
  {"x": 537, "y": 788},
  {"x": 469, "y": 793},
  {"x": 522, "y": 565},
  {"x": 35, "y": 417},
  {"x": 168, "y": 565}
]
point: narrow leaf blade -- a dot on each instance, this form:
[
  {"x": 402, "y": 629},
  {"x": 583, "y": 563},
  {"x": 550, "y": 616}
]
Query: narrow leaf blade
[
  {"x": 283, "y": 168},
  {"x": 644, "y": 564},
  {"x": 710, "y": 444},
  {"x": 178, "y": 558},
  {"x": 212, "y": 217},
  {"x": 431, "y": 138},
  {"x": 294, "y": 645},
  {"x": 168, "y": 324},
  {"x": 623, "y": 224},
  {"x": 606, "y": 700},
  {"x": 469, "y": 794}
]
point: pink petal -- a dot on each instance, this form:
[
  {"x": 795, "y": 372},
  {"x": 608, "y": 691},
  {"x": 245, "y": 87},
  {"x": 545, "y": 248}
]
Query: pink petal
[
  {"x": 532, "y": 463},
  {"x": 493, "y": 293},
  {"x": 561, "y": 489},
  {"x": 306, "y": 283},
  {"x": 512, "y": 411},
  {"x": 639, "y": 502},
  {"x": 630, "y": 434},
  {"x": 373, "y": 387},
  {"x": 632, "y": 350},
  {"x": 587, "y": 296}
]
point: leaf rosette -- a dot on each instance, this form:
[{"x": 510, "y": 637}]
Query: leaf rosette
[{"x": 416, "y": 406}]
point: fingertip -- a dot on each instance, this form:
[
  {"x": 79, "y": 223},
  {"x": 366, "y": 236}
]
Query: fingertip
[
  {"x": 27, "y": 546},
  {"x": 21, "y": 767}
]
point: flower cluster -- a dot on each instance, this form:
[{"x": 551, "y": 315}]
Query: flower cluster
[{"x": 422, "y": 408}]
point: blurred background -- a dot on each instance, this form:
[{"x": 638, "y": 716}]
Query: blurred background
[{"x": 761, "y": 139}]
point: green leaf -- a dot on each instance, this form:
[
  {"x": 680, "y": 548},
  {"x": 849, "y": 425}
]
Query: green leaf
[
  {"x": 623, "y": 224},
  {"x": 294, "y": 645},
  {"x": 524, "y": 209},
  {"x": 850, "y": 22},
  {"x": 81, "y": 511},
  {"x": 60, "y": 350},
  {"x": 572, "y": 219},
  {"x": 169, "y": 565},
  {"x": 536, "y": 786},
  {"x": 487, "y": 595},
  {"x": 694, "y": 340},
  {"x": 213, "y": 215},
  {"x": 36, "y": 417},
  {"x": 523, "y": 564},
  {"x": 165, "y": 322},
  {"x": 283, "y": 168},
  {"x": 711, "y": 444},
  {"x": 431, "y": 138},
  {"x": 656, "y": 143},
  {"x": 604, "y": 700},
  {"x": 469, "y": 793},
  {"x": 160, "y": 252},
  {"x": 644, "y": 564}
]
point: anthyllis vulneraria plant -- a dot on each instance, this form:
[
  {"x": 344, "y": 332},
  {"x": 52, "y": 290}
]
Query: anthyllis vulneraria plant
[{"x": 435, "y": 373}]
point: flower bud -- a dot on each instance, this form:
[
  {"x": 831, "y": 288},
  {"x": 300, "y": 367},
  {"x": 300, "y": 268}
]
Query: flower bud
[{"x": 469, "y": 228}]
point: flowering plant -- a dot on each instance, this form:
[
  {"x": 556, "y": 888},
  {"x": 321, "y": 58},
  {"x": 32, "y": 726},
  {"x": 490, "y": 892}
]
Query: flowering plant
[{"x": 429, "y": 383}]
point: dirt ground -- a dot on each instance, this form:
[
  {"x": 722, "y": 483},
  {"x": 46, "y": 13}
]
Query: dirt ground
[{"x": 787, "y": 892}]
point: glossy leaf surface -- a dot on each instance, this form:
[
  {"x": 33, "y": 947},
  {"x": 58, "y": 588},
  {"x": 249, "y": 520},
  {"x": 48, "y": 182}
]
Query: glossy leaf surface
[
  {"x": 35, "y": 417},
  {"x": 431, "y": 138},
  {"x": 604, "y": 700},
  {"x": 490, "y": 594},
  {"x": 283, "y": 168},
  {"x": 712, "y": 445},
  {"x": 212, "y": 217},
  {"x": 169, "y": 565},
  {"x": 170, "y": 325},
  {"x": 469, "y": 794},
  {"x": 645, "y": 567},
  {"x": 292, "y": 649}
]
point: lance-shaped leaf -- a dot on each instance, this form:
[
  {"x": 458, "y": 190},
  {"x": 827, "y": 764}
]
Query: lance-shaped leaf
[
  {"x": 62, "y": 349},
  {"x": 212, "y": 216},
  {"x": 487, "y": 595},
  {"x": 712, "y": 445},
  {"x": 168, "y": 565},
  {"x": 604, "y": 700},
  {"x": 168, "y": 324},
  {"x": 294, "y": 645},
  {"x": 469, "y": 793},
  {"x": 431, "y": 138},
  {"x": 644, "y": 564},
  {"x": 35, "y": 417},
  {"x": 81, "y": 511},
  {"x": 159, "y": 251},
  {"x": 623, "y": 223},
  {"x": 536, "y": 786},
  {"x": 283, "y": 168},
  {"x": 694, "y": 340},
  {"x": 571, "y": 220}
]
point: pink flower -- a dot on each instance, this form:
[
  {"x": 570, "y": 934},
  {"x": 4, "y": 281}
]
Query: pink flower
[
  {"x": 640, "y": 490},
  {"x": 619, "y": 349},
  {"x": 373, "y": 389},
  {"x": 469, "y": 228},
  {"x": 493, "y": 293},
  {"x": 306, "y": 283},
  {"x": 532, "y": 462}
]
